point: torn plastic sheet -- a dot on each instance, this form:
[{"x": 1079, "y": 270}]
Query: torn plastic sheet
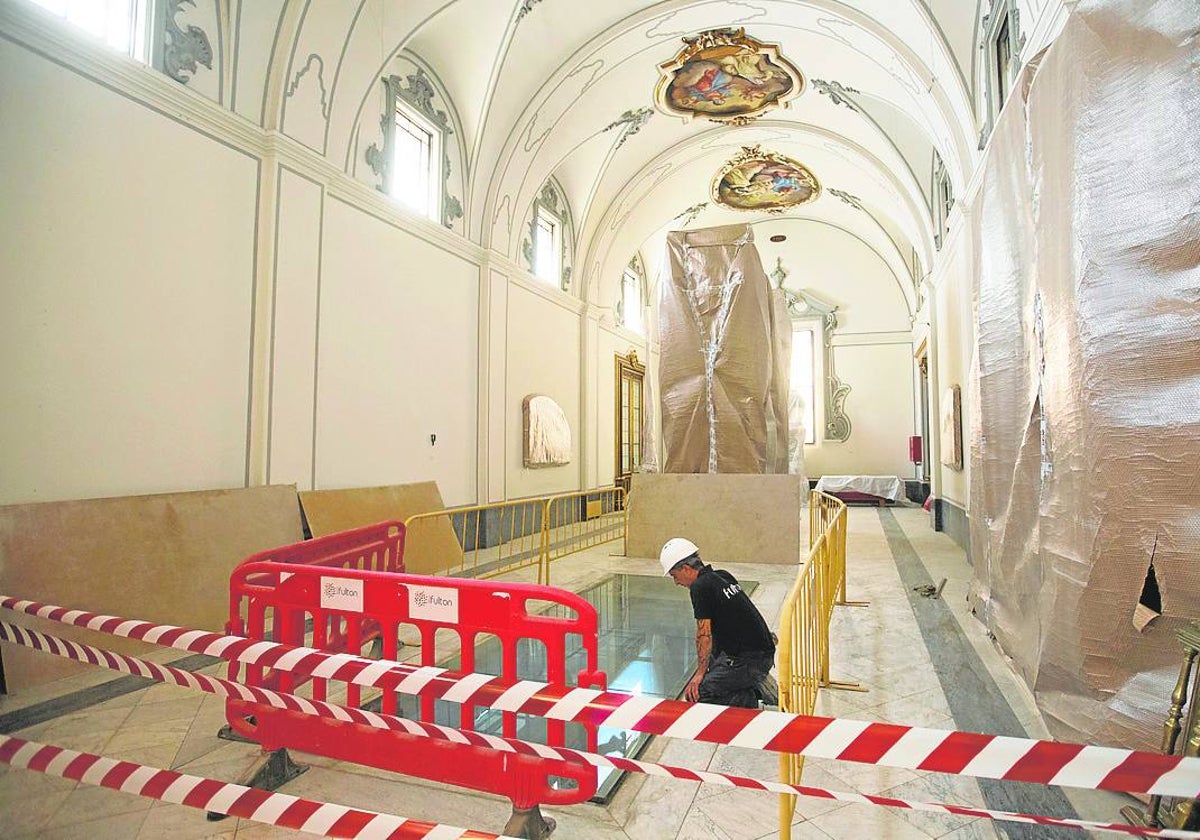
[{"x": 1085, "y": 455}]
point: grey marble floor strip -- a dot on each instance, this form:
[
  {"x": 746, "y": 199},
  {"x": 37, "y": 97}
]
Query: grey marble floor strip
[
  {"x": 975, "y": 700},
  {"x": 85, "y": 698}
]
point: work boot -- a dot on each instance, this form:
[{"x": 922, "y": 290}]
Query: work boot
[{"x": 768, "y": 691}]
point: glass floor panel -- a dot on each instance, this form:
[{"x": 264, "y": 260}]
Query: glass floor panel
[{"x": 646, "y": 644}]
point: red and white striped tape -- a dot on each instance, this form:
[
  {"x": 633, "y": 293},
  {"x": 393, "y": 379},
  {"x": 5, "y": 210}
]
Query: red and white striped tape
[
  {"x": 307, "y": 815},
  {"x": 226, "y": 688},
  {"x": 890, "y": 745}
]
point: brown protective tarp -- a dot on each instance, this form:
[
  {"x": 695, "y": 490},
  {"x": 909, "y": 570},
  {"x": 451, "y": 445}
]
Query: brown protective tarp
[
  {"x": 1085, "y": 433},
  {"x": 716, "y": 368}
]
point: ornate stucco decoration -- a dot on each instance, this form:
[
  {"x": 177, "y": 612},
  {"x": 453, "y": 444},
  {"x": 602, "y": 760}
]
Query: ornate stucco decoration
[
  {"x": 630, "y": 123},
  {"x": 838, "y": 93},
  {"x": 184, "y": 49},
  {"x": 803, "y": 305},
  {"x": 418, "y": 90},
  {"x": 853, "y": 200},
  {"x": 525, "y": 8},
  {"x": 689, "y": 215},
  {"x": 726, "y": 76},
  {"x": 755, "y": 179}
]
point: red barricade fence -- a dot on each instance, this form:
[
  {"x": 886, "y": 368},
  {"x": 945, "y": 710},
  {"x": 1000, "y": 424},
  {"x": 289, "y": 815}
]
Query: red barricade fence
[
  {"x": 378, "y": 548},
  {"x": 347, "y": 608}
]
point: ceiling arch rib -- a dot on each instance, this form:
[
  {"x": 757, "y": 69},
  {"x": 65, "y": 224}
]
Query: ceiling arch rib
[
  {"x": 884, "y": 63},
  {"x": 875, "y": 163},
  {"x": 650, "y": 201}
]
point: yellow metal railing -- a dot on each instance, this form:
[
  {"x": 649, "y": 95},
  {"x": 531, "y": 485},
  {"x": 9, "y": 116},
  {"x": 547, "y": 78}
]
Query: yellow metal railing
[
  {"x": 575, "y": 521},
  {"x": 484, "y": 541},
  {"x": 804, "y": 631}
]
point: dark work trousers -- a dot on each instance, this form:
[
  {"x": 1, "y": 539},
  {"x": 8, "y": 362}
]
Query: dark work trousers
[{"x": 733, "y": 680}]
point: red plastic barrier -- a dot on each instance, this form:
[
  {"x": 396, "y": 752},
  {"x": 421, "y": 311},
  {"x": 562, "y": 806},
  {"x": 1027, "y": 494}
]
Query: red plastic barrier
[
  {"x": 378, "y": 548},
  {"x": 276, "y": 600}
]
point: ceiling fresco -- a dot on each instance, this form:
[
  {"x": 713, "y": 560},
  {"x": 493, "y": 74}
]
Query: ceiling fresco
[
  {"x": 726, "y": 76},
  {"x": 762, "y": 180}
]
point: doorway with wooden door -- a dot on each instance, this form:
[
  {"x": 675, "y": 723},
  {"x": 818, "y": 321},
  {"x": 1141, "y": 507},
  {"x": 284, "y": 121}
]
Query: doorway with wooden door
[{"x": 630, "y": 394}]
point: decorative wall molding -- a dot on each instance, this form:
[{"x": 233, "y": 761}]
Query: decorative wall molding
[
  {"x": 295, "y": 83},
  {"x": 184, "y": 49}
]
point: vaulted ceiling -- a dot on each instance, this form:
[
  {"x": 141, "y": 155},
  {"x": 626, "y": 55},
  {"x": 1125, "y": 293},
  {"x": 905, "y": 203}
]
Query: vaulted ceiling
[{"x": 565, "y": 89}]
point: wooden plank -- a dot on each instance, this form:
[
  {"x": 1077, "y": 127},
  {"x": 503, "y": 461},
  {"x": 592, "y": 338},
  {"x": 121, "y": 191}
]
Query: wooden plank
[
  {"x": 430, "y": 548},
  {"x": 163, "y": 558}
]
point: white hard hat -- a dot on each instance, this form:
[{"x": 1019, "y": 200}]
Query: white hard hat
[{"x": 675, "y": 550}]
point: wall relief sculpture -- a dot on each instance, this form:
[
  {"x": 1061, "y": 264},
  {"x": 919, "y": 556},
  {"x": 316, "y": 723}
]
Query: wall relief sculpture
[
  {"x": 952, "y": 442},
  {"x": 547, "y": 435},
  {"x": 726, "y": 76},
  {"x": 758, "y": 180}
]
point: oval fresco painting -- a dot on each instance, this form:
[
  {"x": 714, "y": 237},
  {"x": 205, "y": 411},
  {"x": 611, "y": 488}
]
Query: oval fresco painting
[
  {"x": 726, "y": 76},
  {"x": 758, "y": 180}
]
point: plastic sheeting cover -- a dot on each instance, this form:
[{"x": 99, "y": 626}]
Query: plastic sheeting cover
[
  {"x": 1085, "y": 428},
  {"x": 716, "y": 368}
]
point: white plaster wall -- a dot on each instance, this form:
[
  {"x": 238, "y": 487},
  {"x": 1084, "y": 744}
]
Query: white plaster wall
[
  {"x": 295, "y": 290},
  {"x": 126, "y": 264},
  {"x": 839, "y": 268},
  {"x": 880, "y": 407},
  {"x": 954, "y": 348},
  {"x": 543, "y": 358},
  {"x": 397, "y": 359},
  {"x": 873, "y": 351}
]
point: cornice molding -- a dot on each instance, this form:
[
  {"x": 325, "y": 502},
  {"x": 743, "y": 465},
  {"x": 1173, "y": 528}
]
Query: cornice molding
[
  {"x": 30, "y": 27},
  {"x": 518, "y": 275}
]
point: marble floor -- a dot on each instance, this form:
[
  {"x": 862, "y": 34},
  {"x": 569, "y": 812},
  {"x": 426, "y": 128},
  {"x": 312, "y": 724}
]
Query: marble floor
[{"x": 922, "y": 661}]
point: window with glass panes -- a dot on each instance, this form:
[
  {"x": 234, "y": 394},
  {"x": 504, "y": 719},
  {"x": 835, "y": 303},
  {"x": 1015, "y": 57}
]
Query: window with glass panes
[
  {"x": 547, "y": 247},
  {"x": 414, "y": 154},
  {"x": 803, "y": 379},
  {"x": 121, "y": 24}
]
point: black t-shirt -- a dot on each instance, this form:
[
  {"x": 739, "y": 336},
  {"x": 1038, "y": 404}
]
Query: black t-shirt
[{"x": 737, "y": 624}]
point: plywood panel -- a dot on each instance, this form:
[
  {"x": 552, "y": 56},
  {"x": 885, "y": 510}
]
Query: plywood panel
[
  {"x": 163, "y": 558},
  {"x": 733, "y": 518},
  {"x": 430, "y": 548}
]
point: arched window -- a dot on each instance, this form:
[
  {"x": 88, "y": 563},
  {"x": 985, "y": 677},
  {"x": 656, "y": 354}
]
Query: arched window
[
  {"x": 632, "y": 297},
  {"x": 414, "y": 164},
  {"x": 549, "y": 239}
]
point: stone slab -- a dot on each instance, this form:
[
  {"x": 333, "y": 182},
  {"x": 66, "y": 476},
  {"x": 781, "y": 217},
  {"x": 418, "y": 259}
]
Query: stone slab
[{"x": 733, "y": 518}]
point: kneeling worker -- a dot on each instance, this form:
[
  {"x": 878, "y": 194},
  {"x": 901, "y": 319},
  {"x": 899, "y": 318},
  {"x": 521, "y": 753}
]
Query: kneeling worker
[{"x": 734, "y": 647}]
